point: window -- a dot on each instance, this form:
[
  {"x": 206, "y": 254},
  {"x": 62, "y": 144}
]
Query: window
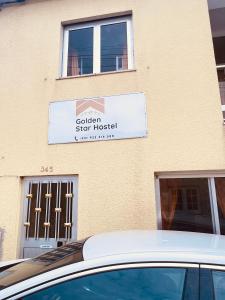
[
  {"x": 217, "y": 21},
  {"x": 221, "y": 79},
  {"x": 219, "y": 49},
  {"x": 219, "y": 284},
  {"x": 192, "y": 204},
  {"x": 220, "y": 195},
  {"x": 188, "y": 209},
  {"x": 212, "y": 282},
  {"x": 126, "y": 284},
  {"x": 97, "y": 47}
]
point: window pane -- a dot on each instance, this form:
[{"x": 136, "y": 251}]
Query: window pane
[
  {"x": 129, "y": 284},
  {"x": 219, "y": 49},
  {"x": 221, "y": 79},
  {"x": 219, "y": 285},
  {"x": 185, "y": 204},
  {"x": 220, "y": 194},
  {"x": 80, "y": 52},
  {"x": 114, "y": 47}
]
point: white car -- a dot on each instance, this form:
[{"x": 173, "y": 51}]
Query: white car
[{"x": 127, "y": 265}]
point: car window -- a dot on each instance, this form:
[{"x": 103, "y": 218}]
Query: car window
[
  {"x": 62, "y": 256},
  {"x": 206, "y": 284},
  {"x": 219, "y": 284},
  {"x": 127, "y": 284}
]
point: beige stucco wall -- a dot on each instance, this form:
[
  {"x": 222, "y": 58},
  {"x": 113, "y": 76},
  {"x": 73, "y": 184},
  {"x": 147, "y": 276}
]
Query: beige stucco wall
[
  {"x": 175, "y": 68},
  {"x": 9, "y": 216}
]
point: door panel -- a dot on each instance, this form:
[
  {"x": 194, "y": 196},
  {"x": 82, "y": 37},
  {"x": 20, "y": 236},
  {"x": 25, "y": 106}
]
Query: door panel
[
  {"x": 49, "y": 213},
  {"x": 212, "y": 280},
  {"x": 206, "y": 285},
  {"x": 191, "y": 290}
]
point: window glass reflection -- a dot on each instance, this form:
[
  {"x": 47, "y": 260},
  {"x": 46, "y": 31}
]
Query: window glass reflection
[
  {"x": 219, "y": 49},
  {"x": 219, "y": 284},
  {"x": 80, "y": 52},
  {"x": 185, "y": 204},
  {"x": 220, "y": 194},
  {"x": 114, "y": 47},
  {"x": 132, "y": 284}
]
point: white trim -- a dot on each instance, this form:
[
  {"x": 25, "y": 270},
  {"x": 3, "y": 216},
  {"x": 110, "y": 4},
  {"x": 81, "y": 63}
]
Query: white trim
[
  {"x": 105, "y": 269},
  {"x": 130, "y": 45},
  {"x": 220, "y": 67},
  {"x": 65, "y": 52},
  {"x": 184, "y": 175},
  {"x": 61, "y": 46},
  {"x": 213, "y": 267},
  {"x": 158, "y": 204},
  {"x": 47, "y": 178},
  {"x": 211, "y": 200},
  {"x": 79, "y": 26},
  {"x": 75, "y": 208},
  {"x": 97, "y": 49},
  {"x": 96, "y": 25},
  {"x": 213, "y": 204},
  {"x": 195, "y": 174},
  {"x": 99, "y": 22}
]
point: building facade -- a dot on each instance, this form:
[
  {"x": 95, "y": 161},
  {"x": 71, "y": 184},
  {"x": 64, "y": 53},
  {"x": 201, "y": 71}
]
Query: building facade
[{"x": 110, "y": 119}]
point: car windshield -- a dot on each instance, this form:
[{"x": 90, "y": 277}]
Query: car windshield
[{"x": 59, "y": 257}]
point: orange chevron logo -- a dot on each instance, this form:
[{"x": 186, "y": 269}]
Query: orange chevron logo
[{"x": 97, "y": 104}]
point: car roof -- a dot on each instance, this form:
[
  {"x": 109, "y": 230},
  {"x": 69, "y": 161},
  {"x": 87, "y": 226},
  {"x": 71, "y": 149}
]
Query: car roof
[
  {"x": 141, "y": 241},
  {"x": 60, "y": 257},
  {"x": 8, "y": 263}
]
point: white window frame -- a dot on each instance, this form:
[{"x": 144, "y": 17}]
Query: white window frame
[{"x": 96, "y": 25}]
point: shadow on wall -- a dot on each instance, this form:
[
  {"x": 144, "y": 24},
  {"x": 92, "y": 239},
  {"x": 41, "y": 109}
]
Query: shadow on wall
[{"x": 1, "y": 242}]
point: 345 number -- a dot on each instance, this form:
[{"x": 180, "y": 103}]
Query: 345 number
[{"x": 47, "y": 169}]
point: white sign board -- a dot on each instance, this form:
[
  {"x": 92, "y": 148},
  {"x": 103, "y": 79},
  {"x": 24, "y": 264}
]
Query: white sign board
[{"x": 93, "y": 119}]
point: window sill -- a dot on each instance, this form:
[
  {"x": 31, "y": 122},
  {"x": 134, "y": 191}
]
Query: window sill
[{"x": 96, "y": 74}]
